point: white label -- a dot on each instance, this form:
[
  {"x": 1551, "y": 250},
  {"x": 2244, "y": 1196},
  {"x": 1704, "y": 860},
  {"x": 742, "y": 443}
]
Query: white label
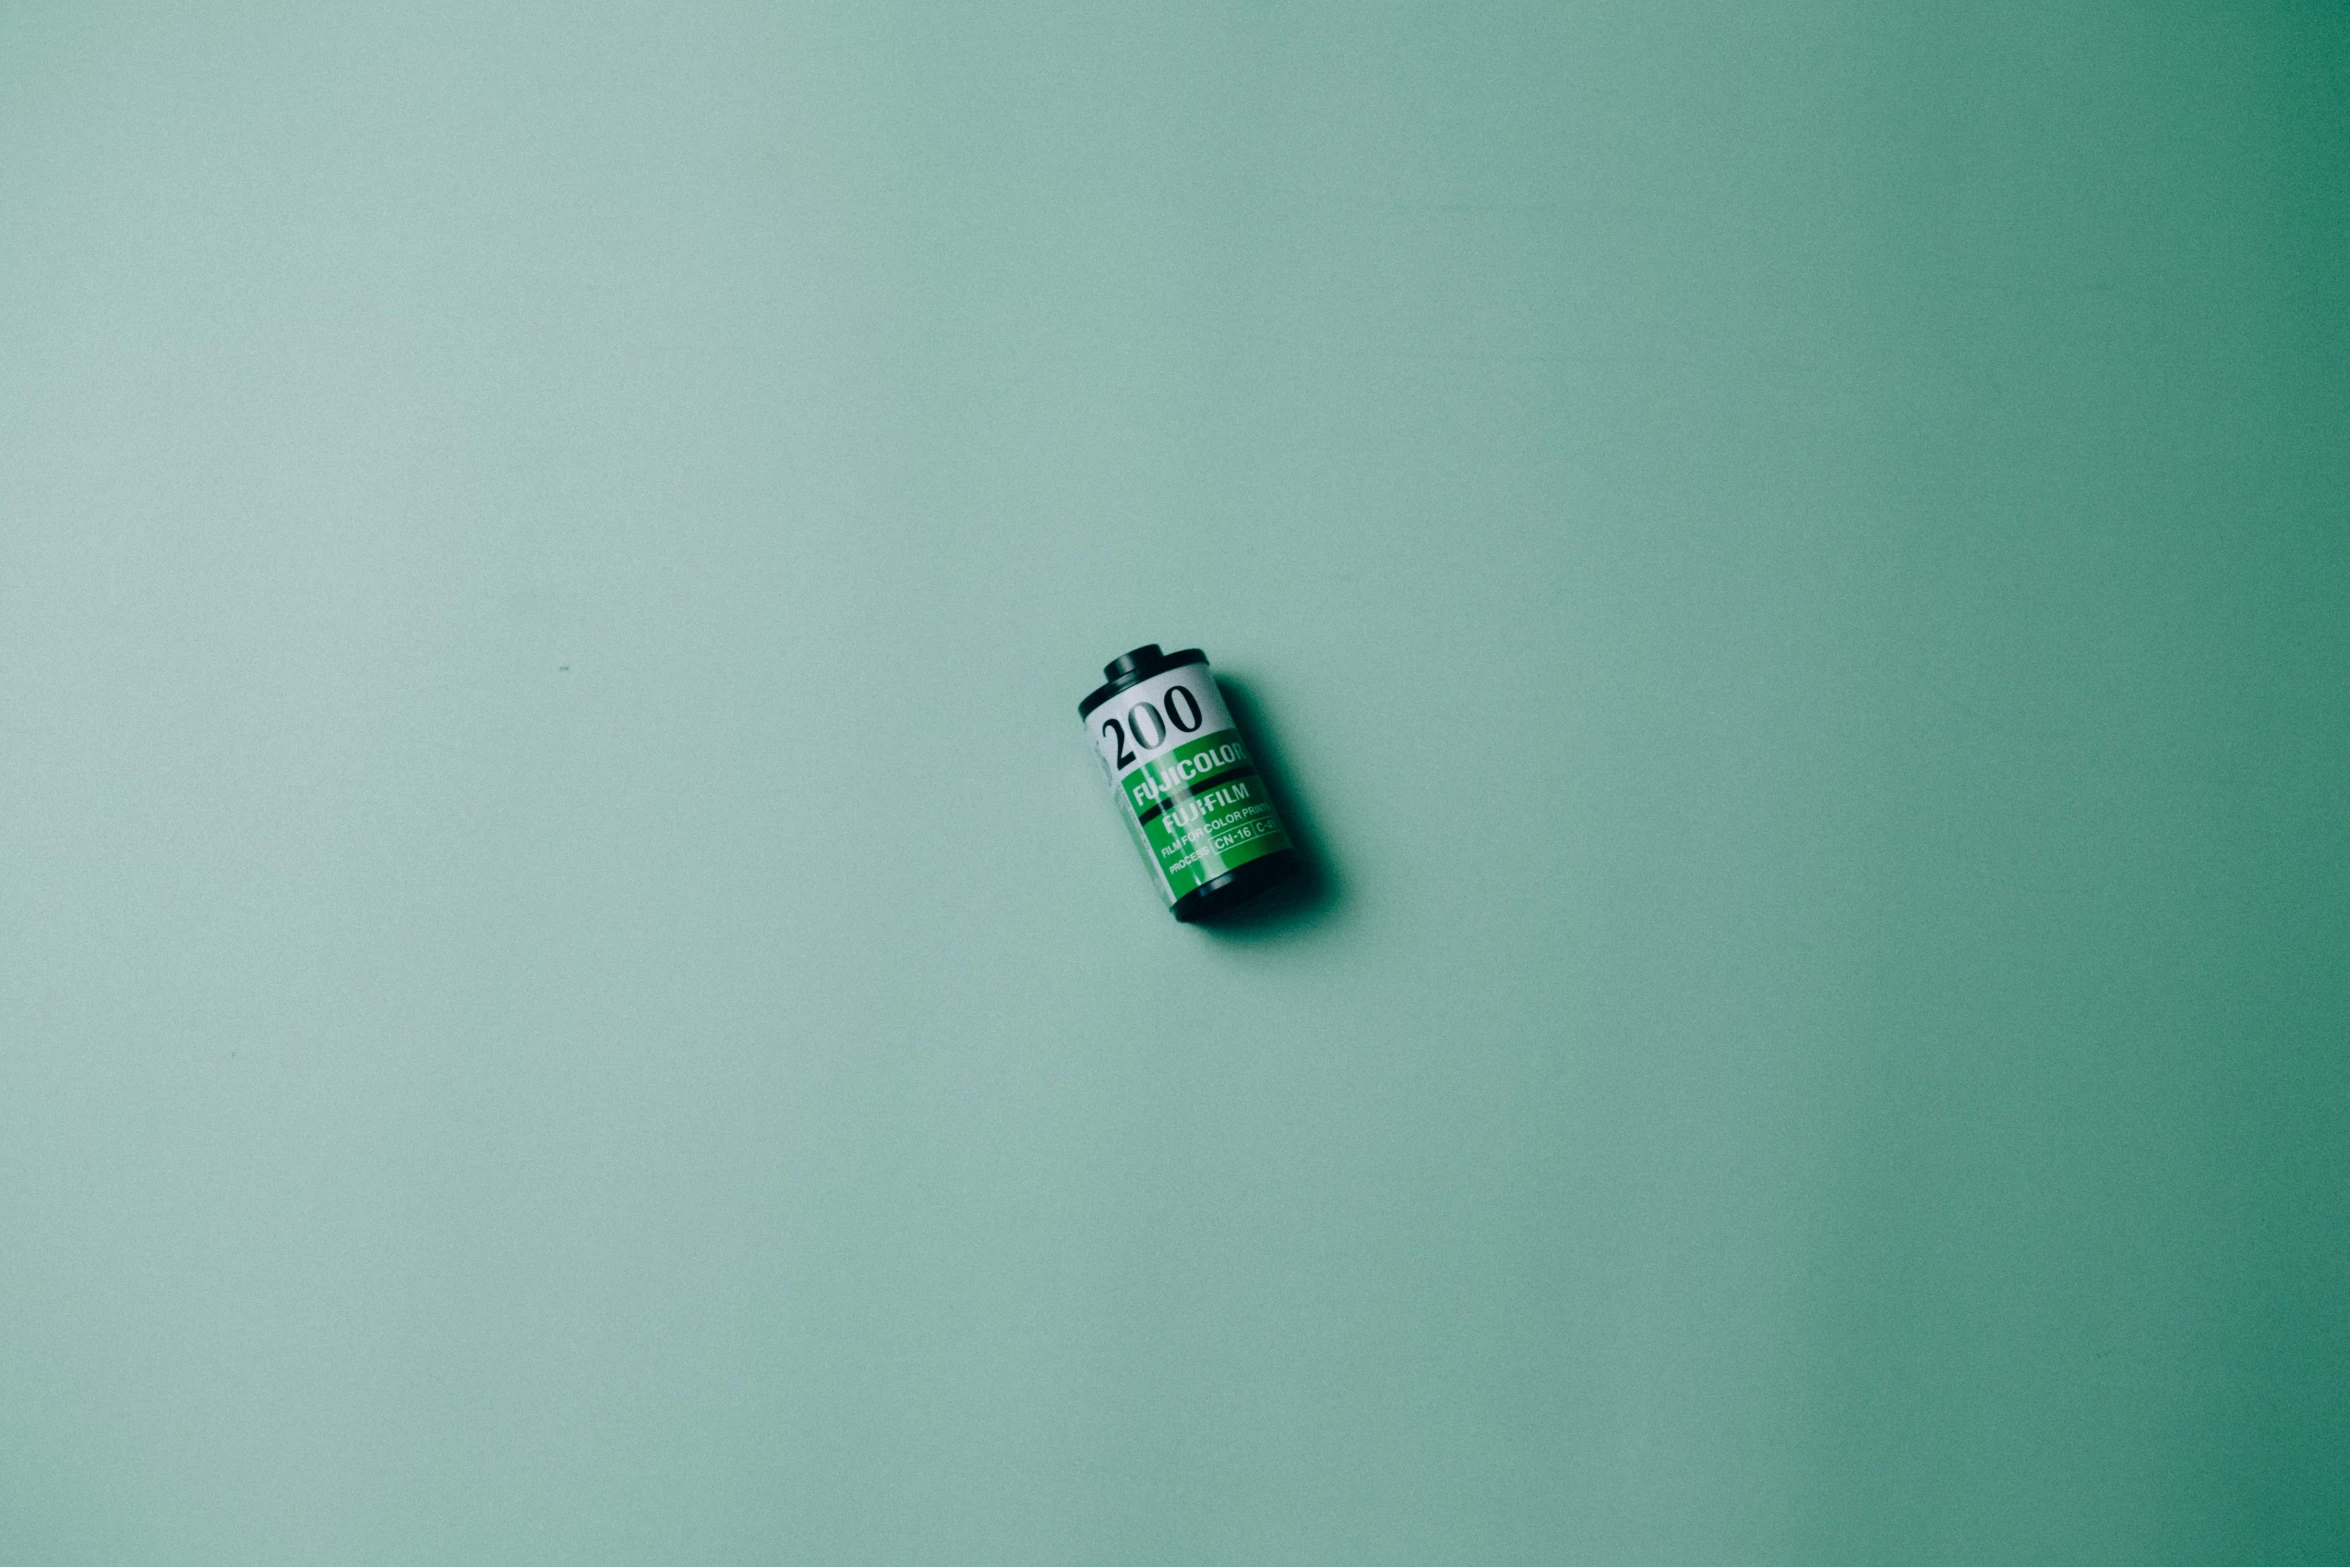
[{"x": 1146, "y": 721}]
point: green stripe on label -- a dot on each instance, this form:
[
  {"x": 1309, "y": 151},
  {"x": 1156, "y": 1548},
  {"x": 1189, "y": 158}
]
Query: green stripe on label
[
  {"x": 1195, "y": 834},
  {"x": 1168, "y": 777}
]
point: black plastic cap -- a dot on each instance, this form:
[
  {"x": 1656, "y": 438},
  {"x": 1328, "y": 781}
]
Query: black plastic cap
[
  {"x": 1124, "y": 664},
  {"x": 1132, "y": 669},
  {"x": 1219, "y": 897}
]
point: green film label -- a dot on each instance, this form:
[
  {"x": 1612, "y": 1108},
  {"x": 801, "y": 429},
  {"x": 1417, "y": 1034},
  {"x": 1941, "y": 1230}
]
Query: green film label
[{"x": 1186, "y": 786}]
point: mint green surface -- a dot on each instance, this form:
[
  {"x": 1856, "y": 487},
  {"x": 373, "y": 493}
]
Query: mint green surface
[{"x": 570, "y": 991}]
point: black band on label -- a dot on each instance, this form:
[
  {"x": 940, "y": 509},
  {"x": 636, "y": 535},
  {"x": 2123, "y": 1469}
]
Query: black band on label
[{"x": 1193, "y": 789}]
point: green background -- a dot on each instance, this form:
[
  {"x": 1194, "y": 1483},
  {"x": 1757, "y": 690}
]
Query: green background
[{"x": 571, "y": 993}]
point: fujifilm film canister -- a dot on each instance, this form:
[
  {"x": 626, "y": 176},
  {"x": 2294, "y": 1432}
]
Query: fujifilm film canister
[{"x": 1186, "y": 786}]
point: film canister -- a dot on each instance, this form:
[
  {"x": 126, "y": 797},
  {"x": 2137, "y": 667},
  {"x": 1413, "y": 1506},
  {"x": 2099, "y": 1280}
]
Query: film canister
[{"x": 1187, "y": 788}]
